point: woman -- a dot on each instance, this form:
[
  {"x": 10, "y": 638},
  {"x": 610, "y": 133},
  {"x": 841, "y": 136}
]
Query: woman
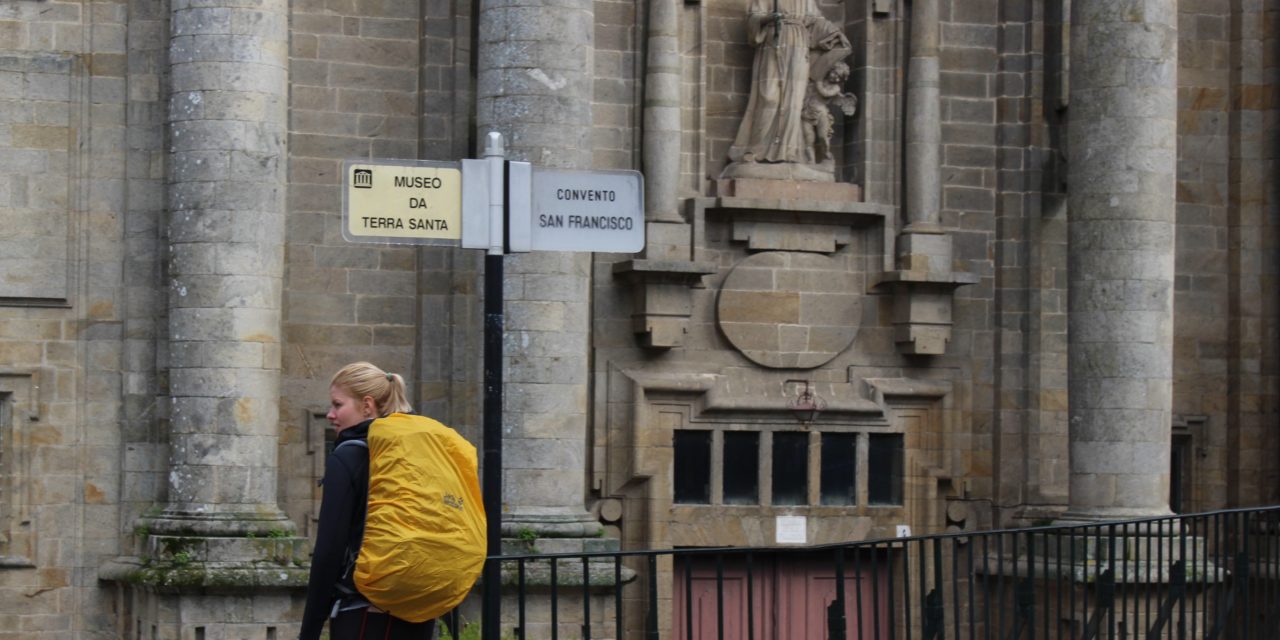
[{"x": 358, "y": 393}]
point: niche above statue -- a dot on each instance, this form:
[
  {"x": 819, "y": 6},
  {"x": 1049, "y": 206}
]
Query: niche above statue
[{"x": 797, "y": 80}]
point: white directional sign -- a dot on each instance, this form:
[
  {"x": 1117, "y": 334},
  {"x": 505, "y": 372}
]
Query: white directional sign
[
  {"x": 424, "y": 202},
  {"x": 402, "y": 201},
  {"x": 585, "y": 211}
]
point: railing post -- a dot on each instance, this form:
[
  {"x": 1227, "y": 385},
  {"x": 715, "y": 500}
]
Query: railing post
[
  {"x": 555, "y": 599},
  {"x": 521, "y": 586},
  {"x": 1028, "y": 594},
  {"x": 1238, "y": 589},
  {"x": 751, "y": 594},
  {"x": 719, "y": 596},
  {"x": 651, "y": 622},
  {"x": 619, "y": 628},
  {"x": 586, "y": 598},
  {"x": 688, "y": 596},
  {"x": 836, "y": 623},
  {"x": 1105, "y": 598},
  {"x": 1177, "y": 590},
  {"x": 933, "y": 614}
]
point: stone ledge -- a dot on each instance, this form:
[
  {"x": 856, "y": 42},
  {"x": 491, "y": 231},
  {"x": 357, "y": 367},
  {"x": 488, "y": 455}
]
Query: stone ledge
[
  {"x": 197, "y": 576},
  {"x": 600, "y": 574},
  {"x": 16, "y": 562},
  {"x": 679, "y": 270},
  {"x": 952, "y": 279},
  {"x": 788, "y": 189},
  {"x": 1127, "y": 572},
  {"x": 796, "y": 205}
]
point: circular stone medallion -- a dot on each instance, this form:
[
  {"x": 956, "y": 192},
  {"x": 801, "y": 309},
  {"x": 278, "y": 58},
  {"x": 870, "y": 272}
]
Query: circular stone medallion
[{"x": 789, "y": 309}]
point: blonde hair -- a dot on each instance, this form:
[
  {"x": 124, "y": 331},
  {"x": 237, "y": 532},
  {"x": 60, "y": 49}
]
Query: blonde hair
[{"x": 362, "y": 379}]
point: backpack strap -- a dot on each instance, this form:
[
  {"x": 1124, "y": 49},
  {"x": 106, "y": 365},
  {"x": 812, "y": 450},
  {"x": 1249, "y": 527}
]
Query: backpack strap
[
  {"x": 350, "y": 560},
  {"x": 358, "y": 443}
]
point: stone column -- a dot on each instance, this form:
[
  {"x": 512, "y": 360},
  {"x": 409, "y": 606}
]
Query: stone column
[
  {"x": 924, "y": 120},
  {"x": 1122, "y": 134},
  {"x": 221, "y": 544},
  {"x": 925, "y": 281},
  {"x": 662, "y": 113},
  {"x": 227, "y": 131},
  {"x": 535, "y": 87}
]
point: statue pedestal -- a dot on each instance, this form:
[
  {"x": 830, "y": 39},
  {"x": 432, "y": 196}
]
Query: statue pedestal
[
  {"x": 781, "y": 171},
  {"x": 774, "y": 189}
]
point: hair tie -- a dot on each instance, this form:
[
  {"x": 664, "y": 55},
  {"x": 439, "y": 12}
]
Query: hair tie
[{"x": 390, "y": 377}]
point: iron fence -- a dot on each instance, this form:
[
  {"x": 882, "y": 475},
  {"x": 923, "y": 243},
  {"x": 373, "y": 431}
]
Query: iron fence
[{"x": 1202, "y": 576}]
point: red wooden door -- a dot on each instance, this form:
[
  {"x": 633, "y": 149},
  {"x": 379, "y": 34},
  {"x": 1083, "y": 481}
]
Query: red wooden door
[
  {"x": 790, "y": 594},
  {"x": 707, "y": 604}
]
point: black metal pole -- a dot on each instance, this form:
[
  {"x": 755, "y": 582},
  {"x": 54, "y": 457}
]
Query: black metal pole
[
  {"x": 496, "y": 169},
  {"x": 491, "y": 605}
]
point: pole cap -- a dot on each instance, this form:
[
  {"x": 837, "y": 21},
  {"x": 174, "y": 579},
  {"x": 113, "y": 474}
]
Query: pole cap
[{"x": 493, "y": 145}]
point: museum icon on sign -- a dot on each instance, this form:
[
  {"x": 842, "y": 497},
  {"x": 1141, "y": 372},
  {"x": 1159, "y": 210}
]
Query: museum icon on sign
[{"x": 362, "y": 178}]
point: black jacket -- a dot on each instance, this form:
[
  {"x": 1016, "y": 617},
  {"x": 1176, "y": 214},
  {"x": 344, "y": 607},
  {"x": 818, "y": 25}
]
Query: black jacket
[{"x": 342, "y": 512}]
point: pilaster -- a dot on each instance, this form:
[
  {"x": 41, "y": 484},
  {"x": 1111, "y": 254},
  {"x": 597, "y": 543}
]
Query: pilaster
[{"x": 924, "y": 282}]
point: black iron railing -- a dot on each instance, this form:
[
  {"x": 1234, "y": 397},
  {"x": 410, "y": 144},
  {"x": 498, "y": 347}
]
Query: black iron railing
[{"x": 1203, "y": 576}]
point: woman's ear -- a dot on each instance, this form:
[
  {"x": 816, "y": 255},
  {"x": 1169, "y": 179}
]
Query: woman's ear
[{"x": 368, "y": 408}]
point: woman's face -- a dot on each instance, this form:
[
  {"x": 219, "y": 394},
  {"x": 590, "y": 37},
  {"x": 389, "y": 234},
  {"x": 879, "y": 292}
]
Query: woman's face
[{"x": 346, "y": 411}]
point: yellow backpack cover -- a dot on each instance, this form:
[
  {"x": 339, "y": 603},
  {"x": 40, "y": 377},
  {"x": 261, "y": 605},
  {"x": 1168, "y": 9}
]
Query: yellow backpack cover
[{"x": 424, "y": 534}]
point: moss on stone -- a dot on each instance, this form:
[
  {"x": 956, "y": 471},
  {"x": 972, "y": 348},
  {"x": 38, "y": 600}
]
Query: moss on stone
[{"x": 179, "y": 575}]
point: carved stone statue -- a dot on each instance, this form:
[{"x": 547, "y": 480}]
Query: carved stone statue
[
  {"x": 796, "y": 50},
  {"x": 825, "y": 93}
]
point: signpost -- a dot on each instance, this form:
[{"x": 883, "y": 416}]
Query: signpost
[
  {"x": 417, "y": 202},
  {"x": 501, "y": 207},
  {"x": 600, "y": 211}
]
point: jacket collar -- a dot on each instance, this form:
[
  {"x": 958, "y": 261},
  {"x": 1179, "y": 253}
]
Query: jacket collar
[{"x": 356, "y": 432}]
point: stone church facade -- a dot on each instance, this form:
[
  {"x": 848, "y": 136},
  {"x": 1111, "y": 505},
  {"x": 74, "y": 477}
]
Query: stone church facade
[{"x": 1039, "y": 283}]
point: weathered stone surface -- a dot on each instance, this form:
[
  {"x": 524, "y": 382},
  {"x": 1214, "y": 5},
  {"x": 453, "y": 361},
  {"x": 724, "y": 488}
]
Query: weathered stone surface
[
  {"x": 534, "y": 85},
  {"x": 1122, "y": 245},
  {"x": 778, "y": 323},
  {"x": 91, "y": 199},
  {"x": 789, "y": 190}
]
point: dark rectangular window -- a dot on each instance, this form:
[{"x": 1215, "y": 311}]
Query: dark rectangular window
[
  {"x": 741, "y": 467},
  {"x": 790, "y": 468},
  {"x": 839, "y": 468},
  {"x": 884, "y": 468},
  {"x": 692, "y": 467}
]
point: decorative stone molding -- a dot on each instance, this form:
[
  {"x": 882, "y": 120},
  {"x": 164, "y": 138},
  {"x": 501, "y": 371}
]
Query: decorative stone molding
[
  {"x": 21, "y": 398},
  {"x": 191, "y": 564},
  {"x": 42, "y": 220},
  {"x": 923, "y": 287},
  {"x": 789, "y": 309},
  {"x": 663, "y": 300},
  {"x": 647, "y": 405},
  {"x": 824, "y": 225}
]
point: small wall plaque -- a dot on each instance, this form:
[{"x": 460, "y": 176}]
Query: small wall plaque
[{"x": 790, "y": 530}]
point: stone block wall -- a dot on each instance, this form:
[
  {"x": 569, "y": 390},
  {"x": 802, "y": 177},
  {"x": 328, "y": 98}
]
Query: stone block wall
[
  {"x": 79, "y": 205},
  {"x": 373, "y": 80},
  {"x": 1202, "y": 344},
  {"x": 1225, "y": 297},
  {"x": 84, "y": 283},
  {"x": 616, "y": 104}
]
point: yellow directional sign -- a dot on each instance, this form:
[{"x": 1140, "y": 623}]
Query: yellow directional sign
[{"x": 402, "y": 201}]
